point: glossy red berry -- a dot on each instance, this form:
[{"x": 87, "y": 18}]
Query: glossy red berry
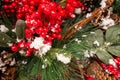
[
  {"x": 90, "y": 78},
  {"x": 14, "y": 48}
]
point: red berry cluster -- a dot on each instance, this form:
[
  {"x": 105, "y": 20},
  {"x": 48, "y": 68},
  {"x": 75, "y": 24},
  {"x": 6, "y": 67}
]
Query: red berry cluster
[
  {"x": 113, "y": 70},
  {"x": 23, "y": 45},
  {"x": 110, "y": 68},
  {"x": 117, "y": 61},
  {"x": 10, "y": 6},
  {"x": 43, "y": 18}
]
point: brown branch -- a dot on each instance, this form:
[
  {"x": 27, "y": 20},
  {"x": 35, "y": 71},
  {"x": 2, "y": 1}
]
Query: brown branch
[{"x": 98, "y": 11}]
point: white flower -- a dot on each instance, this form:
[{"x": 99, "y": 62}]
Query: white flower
[
  {"x": 103, "y": 4},
  {"x": 63, "y": 58},
  {"x": 40, "y": 46},
  {"x": 77, "y": 10},
  {"x": 3, "y": 28}
]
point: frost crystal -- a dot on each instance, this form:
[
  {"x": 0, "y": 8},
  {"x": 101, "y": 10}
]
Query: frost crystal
[
  {"x": 97, "y": 43},
  {"x": 63, "y": 58}
]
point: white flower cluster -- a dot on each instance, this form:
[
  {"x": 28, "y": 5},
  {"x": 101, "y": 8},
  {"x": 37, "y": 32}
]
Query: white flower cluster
[
  {"x": 103, "y": 4},
  {"x": 63, "y": 58},
  {"x": 3, "y": 28},
  {"x": 106, "y": 22},
  {"x": 38, "y": 44}
]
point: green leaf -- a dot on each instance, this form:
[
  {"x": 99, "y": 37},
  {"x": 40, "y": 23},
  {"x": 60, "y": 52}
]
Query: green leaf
[
  {"x": 5, "y": 39},
  {"x": 115, "y": 50},
  {"x": 113, "y": 34},
  {"x": 103, "y": 55},
  {"x": 20, "y": 27},
  {"x": 96, "y": 36}
]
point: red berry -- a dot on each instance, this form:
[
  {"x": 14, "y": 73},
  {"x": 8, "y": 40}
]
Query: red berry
[
  {"x": 59, "y": 36},
  {"x": 28, "y": 52},
  {"x": 14, "y": 48},
  {"x": 90, "y": 78}
]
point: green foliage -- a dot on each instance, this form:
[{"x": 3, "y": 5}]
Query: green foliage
[
  {"x": 116, "y": 6},
  {"x": 5, "y": 39},
  {"x": 77, "y": 49},
  {"x": 97, "y": 43},
  {"x": 56, "y": 71},
  {"x": 20, "y": 27},
  {"x": 47, "y": 66},
  {"x": 30, "y": 70},
  {"x": 113, "y": 34},
  {"x": 97, "y": 35},
  {"x": 114, "y": 50}
]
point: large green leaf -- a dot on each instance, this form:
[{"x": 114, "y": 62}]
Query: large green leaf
[
  {"x": 97, "y": 36},
  {"x": 113, "y": 34},
  {"x": 5, "y": 39},
  {"x": 103, "y": 55},
  {"x": 114, "y": 50},
  {"x": 20, "y": 27}
]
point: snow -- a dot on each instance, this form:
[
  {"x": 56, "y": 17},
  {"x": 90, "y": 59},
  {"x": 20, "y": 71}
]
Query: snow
[
  {"x": 40, "y": 46},
  {"x": 107, "y": 22},
  {"x": 89, "y": 53},
  {"x": 3, "y": 28},
  {"x": 96, "y": 43},
  {"x": 63, "y": 58},
  {"x": 88, "y": 15},
  {"x": 111, "y": 61},
  {"x": 78, "y": 10},
  {"x": 103, "y": 4}
]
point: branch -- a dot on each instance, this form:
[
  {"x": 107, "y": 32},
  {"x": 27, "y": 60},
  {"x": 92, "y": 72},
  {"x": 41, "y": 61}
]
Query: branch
[{"x": 95, "y": 14}]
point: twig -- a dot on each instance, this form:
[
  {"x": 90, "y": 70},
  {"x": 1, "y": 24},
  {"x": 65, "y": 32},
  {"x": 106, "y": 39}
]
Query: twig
[{"x": 98, "y": 11}]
